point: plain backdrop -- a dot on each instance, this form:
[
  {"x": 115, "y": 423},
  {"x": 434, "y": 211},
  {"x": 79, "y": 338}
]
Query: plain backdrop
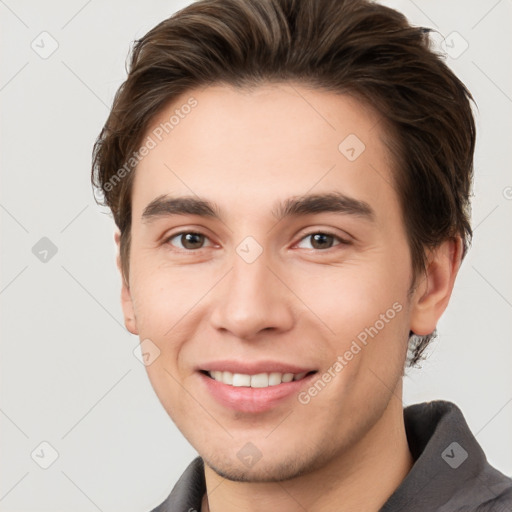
[{"x": 69, "y": 376}]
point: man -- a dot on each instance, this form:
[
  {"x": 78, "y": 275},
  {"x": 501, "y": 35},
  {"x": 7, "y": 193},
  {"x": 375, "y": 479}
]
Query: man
[{"x": 292, "y": 204}]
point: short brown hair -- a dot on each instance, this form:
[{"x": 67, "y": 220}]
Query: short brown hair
[{"x": 355, "y": 47}]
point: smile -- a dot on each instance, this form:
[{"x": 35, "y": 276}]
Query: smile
[
  {"x": 259, "y": 380},
  {"x": 253, "y": 392}
]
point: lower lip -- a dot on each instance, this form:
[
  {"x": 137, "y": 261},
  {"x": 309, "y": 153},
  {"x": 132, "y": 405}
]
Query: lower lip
[{"x": 253, "y": 400}]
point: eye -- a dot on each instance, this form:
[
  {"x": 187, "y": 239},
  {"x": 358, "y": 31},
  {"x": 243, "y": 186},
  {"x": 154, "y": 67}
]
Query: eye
[
  {"x": 189, "y": 240},
  {"x": 323, "y": 240}
]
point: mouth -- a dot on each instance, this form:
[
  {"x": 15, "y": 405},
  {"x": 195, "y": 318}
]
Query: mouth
[
  {"x": 253, "y": 393},
  {"x": 258, "y": 380}
]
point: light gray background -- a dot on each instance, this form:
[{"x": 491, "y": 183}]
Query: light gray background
[{"x": 69, "y": 376}]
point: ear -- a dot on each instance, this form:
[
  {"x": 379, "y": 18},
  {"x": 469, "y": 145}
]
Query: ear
[
  {"x": 433, "y": 292},
  {"x": 130, "y": 321}
]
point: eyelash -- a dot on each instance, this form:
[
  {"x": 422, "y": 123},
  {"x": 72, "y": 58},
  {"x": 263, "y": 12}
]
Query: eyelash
[{"x": 341, "y": 241}]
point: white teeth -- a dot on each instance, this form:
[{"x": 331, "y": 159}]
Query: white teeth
[
  {"x": 260, "y": 380},
  {"x": 274, "y": 379},
  {"x": 239, "y": 379}
]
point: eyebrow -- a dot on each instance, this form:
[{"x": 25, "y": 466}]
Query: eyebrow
[{"x": 333, "y": 202}]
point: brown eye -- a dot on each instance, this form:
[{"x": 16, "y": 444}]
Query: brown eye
[
  {"x": 321, "y": 241},
  {"x": 188, "y": 240}
]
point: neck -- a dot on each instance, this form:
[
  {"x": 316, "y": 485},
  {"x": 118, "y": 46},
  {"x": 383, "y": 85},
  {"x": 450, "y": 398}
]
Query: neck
[{"x": 361, "y": 478}]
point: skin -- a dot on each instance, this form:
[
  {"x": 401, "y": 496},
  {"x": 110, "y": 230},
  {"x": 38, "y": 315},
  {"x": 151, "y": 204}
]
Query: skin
[{"x": 299, "y": 302}]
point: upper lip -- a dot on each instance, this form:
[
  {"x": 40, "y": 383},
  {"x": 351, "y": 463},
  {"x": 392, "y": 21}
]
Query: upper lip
[{"x": 253, "y": 368}]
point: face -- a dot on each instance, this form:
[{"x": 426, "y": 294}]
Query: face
[{"x": 288, "y": 257}]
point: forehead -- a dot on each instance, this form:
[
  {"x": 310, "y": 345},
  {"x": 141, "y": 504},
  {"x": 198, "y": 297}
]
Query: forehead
[{"x": 246, "y": 148}]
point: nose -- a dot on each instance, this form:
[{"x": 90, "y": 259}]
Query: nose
[{"x": 252, "y": 299}]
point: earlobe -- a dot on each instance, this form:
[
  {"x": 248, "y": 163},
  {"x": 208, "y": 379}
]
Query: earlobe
[
  {"x": 432, "y": 295},
  {"x": 126, "y": 298},
  {"x": 128, "y": 311}
]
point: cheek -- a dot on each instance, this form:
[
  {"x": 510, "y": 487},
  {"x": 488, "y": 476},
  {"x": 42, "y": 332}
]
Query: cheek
[
  {"x": 163, "y": 296},
  {"x": 366, "y": 311},
  {"x": 352, "y": 296}
]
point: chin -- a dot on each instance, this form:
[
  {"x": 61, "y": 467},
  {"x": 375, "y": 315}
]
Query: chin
[{"x": 278, "y": 468}]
